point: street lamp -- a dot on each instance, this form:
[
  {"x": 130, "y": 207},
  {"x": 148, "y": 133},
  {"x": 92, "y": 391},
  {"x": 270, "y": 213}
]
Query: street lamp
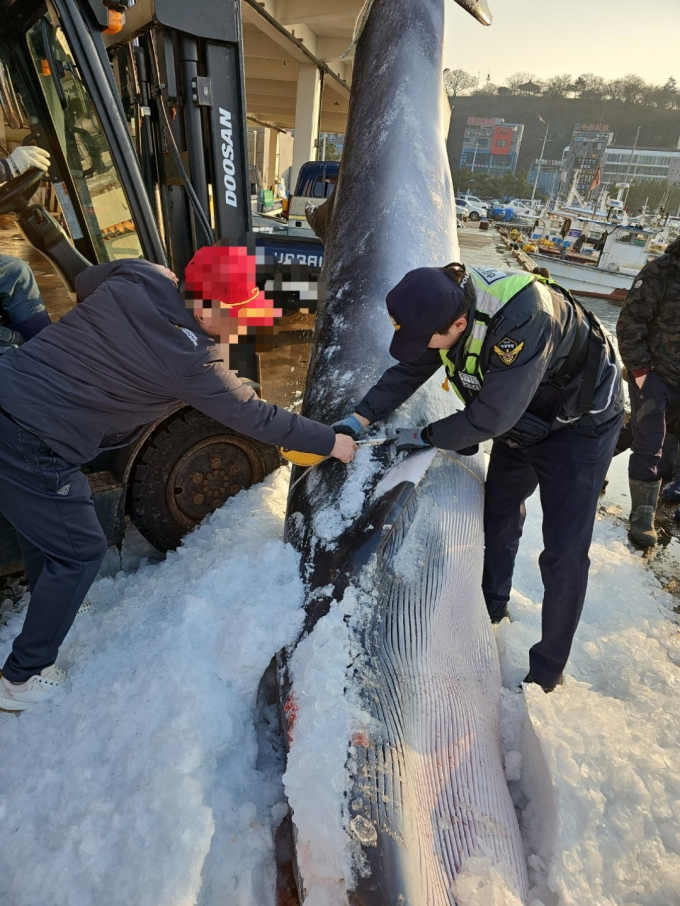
[
  {"x": 474, "y": 159},
  {"x": 474, "y": 156},
  {"x": 540, "y": 160}
]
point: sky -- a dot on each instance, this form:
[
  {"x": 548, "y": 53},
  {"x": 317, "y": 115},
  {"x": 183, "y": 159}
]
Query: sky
[{"x": 606, "y": 37}]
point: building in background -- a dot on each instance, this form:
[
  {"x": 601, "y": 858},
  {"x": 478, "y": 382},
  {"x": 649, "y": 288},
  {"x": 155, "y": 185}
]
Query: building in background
[
  {"x": 622, "y": 165},
  {"x": 549, "y": 176},
  {"x": 270, "y": 151},
  {"x": 674, "y": 171},
  {"x": 584, "y": 156},
  {"x": 490, "y": 145}
]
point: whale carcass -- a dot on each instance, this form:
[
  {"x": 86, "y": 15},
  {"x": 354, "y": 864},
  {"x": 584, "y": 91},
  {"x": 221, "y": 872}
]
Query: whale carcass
[{"x": 391, "y": 695}]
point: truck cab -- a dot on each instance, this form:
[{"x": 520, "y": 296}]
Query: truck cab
[{"x": 315, "y": 184}]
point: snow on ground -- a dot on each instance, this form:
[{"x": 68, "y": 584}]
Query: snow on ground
[
  {"x": 141, "y": 784},
  {"x": 599, "y": 757}
]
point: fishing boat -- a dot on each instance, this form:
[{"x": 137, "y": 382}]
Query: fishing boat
[{"x": 592, "y": 257}]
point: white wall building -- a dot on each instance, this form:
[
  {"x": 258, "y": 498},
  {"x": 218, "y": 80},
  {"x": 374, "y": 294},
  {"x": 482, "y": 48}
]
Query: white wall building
[{"x": 622, "y": 165}]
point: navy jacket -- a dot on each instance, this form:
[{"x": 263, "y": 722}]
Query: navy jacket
[
  {"x": 544, "y": 322},
  {"x": 123, "y": 358}
]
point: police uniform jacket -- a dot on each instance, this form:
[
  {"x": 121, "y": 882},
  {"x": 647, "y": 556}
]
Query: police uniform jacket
[
  {"x": 123, "y": 358},
  {"x": 523, "y": 349},
  {"x": 648, "y": 328}
]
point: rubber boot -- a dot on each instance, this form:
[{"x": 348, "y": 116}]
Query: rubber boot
[
  {"x": 33, "y": 325},
  {"x": 550, "y": 688},
  {"x": 644, "y": 496},
  {"x": 672, "y": 490}
]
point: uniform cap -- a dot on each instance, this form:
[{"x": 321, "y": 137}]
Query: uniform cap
[{"x": 422, "y": 302}]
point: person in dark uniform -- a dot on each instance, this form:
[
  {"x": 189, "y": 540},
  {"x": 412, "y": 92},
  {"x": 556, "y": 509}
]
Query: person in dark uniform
[
  {"x": 21, "y": 304},
  {"x": 541, "y": 378},
  {"x": 648, "y": 332},
  {"x": 119, "y": 360}
]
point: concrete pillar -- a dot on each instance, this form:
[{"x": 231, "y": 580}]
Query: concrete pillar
[
  {"x": 306, "y": 118},
  {"x": 272, "y": 161}
]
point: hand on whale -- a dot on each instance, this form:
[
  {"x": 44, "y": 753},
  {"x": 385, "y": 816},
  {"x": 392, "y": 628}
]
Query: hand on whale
[{"x": 344, "y": 448}]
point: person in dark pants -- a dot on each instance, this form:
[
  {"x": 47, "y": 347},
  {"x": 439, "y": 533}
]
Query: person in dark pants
[
  {"x": 569, "y": 468},
  {"x": 91, "y": 382},
  {"x": 648, "y": 332},
  {"x": 21, "y": 304},
  {"x": 48, "y": 502},
  {"x": 538, "y": 375}
]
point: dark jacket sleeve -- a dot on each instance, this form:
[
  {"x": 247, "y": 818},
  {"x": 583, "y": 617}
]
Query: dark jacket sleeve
[
  {"x": 507, "y": 389},
  {"x": 89, "y": 281},
  {"x": 639, "y": 309},
  {"x": 212, "y": 388},
  {"x": 396, "y": 385}
]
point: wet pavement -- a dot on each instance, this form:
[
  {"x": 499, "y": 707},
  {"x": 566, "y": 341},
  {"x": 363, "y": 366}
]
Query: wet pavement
[{"x": 54, "y": 293}]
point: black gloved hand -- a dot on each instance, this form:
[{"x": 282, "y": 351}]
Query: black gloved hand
[
  {"x": 407, "y": 439},
  {"x": 468, "y": 451}
]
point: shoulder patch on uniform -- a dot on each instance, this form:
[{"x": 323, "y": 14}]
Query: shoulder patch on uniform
[
  {"x": 508, "y": 350},
  {"x": 637, "y": 284}
]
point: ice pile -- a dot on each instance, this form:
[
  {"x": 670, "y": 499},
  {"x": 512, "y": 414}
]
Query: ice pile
[
  {"x": 596, "y": 764},
  {"x": 140, "y": 786},
  {"x": 327, "y": 716}
]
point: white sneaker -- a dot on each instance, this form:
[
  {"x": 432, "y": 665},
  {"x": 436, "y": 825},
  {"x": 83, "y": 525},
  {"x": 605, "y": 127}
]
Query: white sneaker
[{"x": 19, "y": 696}]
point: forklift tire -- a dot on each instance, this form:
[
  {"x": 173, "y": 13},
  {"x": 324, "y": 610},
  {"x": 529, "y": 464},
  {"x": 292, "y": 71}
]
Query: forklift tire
[{"x": 186, "y": 470}]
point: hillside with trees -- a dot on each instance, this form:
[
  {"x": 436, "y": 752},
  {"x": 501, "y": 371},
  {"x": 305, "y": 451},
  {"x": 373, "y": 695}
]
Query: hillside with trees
[{"x": 563, "y": 100}]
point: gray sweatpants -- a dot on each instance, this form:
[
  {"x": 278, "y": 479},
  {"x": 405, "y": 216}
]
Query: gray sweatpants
[{"x": 48, "y": 502}]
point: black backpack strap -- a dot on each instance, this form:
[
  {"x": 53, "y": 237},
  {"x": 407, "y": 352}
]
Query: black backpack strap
[
  {"x": 583, "y": 358},
  {"x": 576, "y": 358},
  {"x": 596, "y": 342}
]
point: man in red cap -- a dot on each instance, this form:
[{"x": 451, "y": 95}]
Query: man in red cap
[{"x": 119, "y": 360}]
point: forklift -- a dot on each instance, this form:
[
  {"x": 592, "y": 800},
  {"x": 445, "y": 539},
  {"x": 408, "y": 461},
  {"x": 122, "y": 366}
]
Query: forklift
[{"x": 141, "y": 105}]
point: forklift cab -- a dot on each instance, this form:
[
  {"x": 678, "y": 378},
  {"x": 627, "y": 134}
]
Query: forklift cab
[
  {"x": 141, "y": 106},
  {"x": 44, "y": 99}
]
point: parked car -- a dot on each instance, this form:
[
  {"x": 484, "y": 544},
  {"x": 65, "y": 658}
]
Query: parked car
[
  {"x": 474, "y": 200},
  {"x": 522, "y": 208},
  {"x": 474, "y": 210},
  {"x": 462, "y": 212}
]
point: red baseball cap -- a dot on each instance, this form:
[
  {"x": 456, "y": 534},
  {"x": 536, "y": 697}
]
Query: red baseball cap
[{"x": 224, "y": 274}]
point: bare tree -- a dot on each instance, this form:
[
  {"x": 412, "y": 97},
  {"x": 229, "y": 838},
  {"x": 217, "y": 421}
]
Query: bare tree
[
  {"x": 487, "y": 88},
  {"x": 457, "y": 80},
  {"x": 558, "y": 85},
  {"x": 667, "y": 95},
  {"x": 590, "y": 86},
  {"x": 519, "y": 78},
  {"x": 615, "y": 89},
  {"x": 630, "y": 89},
  {"x": 633, "y": 89}
]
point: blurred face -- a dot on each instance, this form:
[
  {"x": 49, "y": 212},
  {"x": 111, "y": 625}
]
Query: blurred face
[
  {"x": 448, "y": 340},
  {"x": 226, "y": 324},
  {"x": 216, "y": 321}
]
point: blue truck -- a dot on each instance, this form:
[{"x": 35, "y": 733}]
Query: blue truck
[{"x": 292, "y": 241}]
